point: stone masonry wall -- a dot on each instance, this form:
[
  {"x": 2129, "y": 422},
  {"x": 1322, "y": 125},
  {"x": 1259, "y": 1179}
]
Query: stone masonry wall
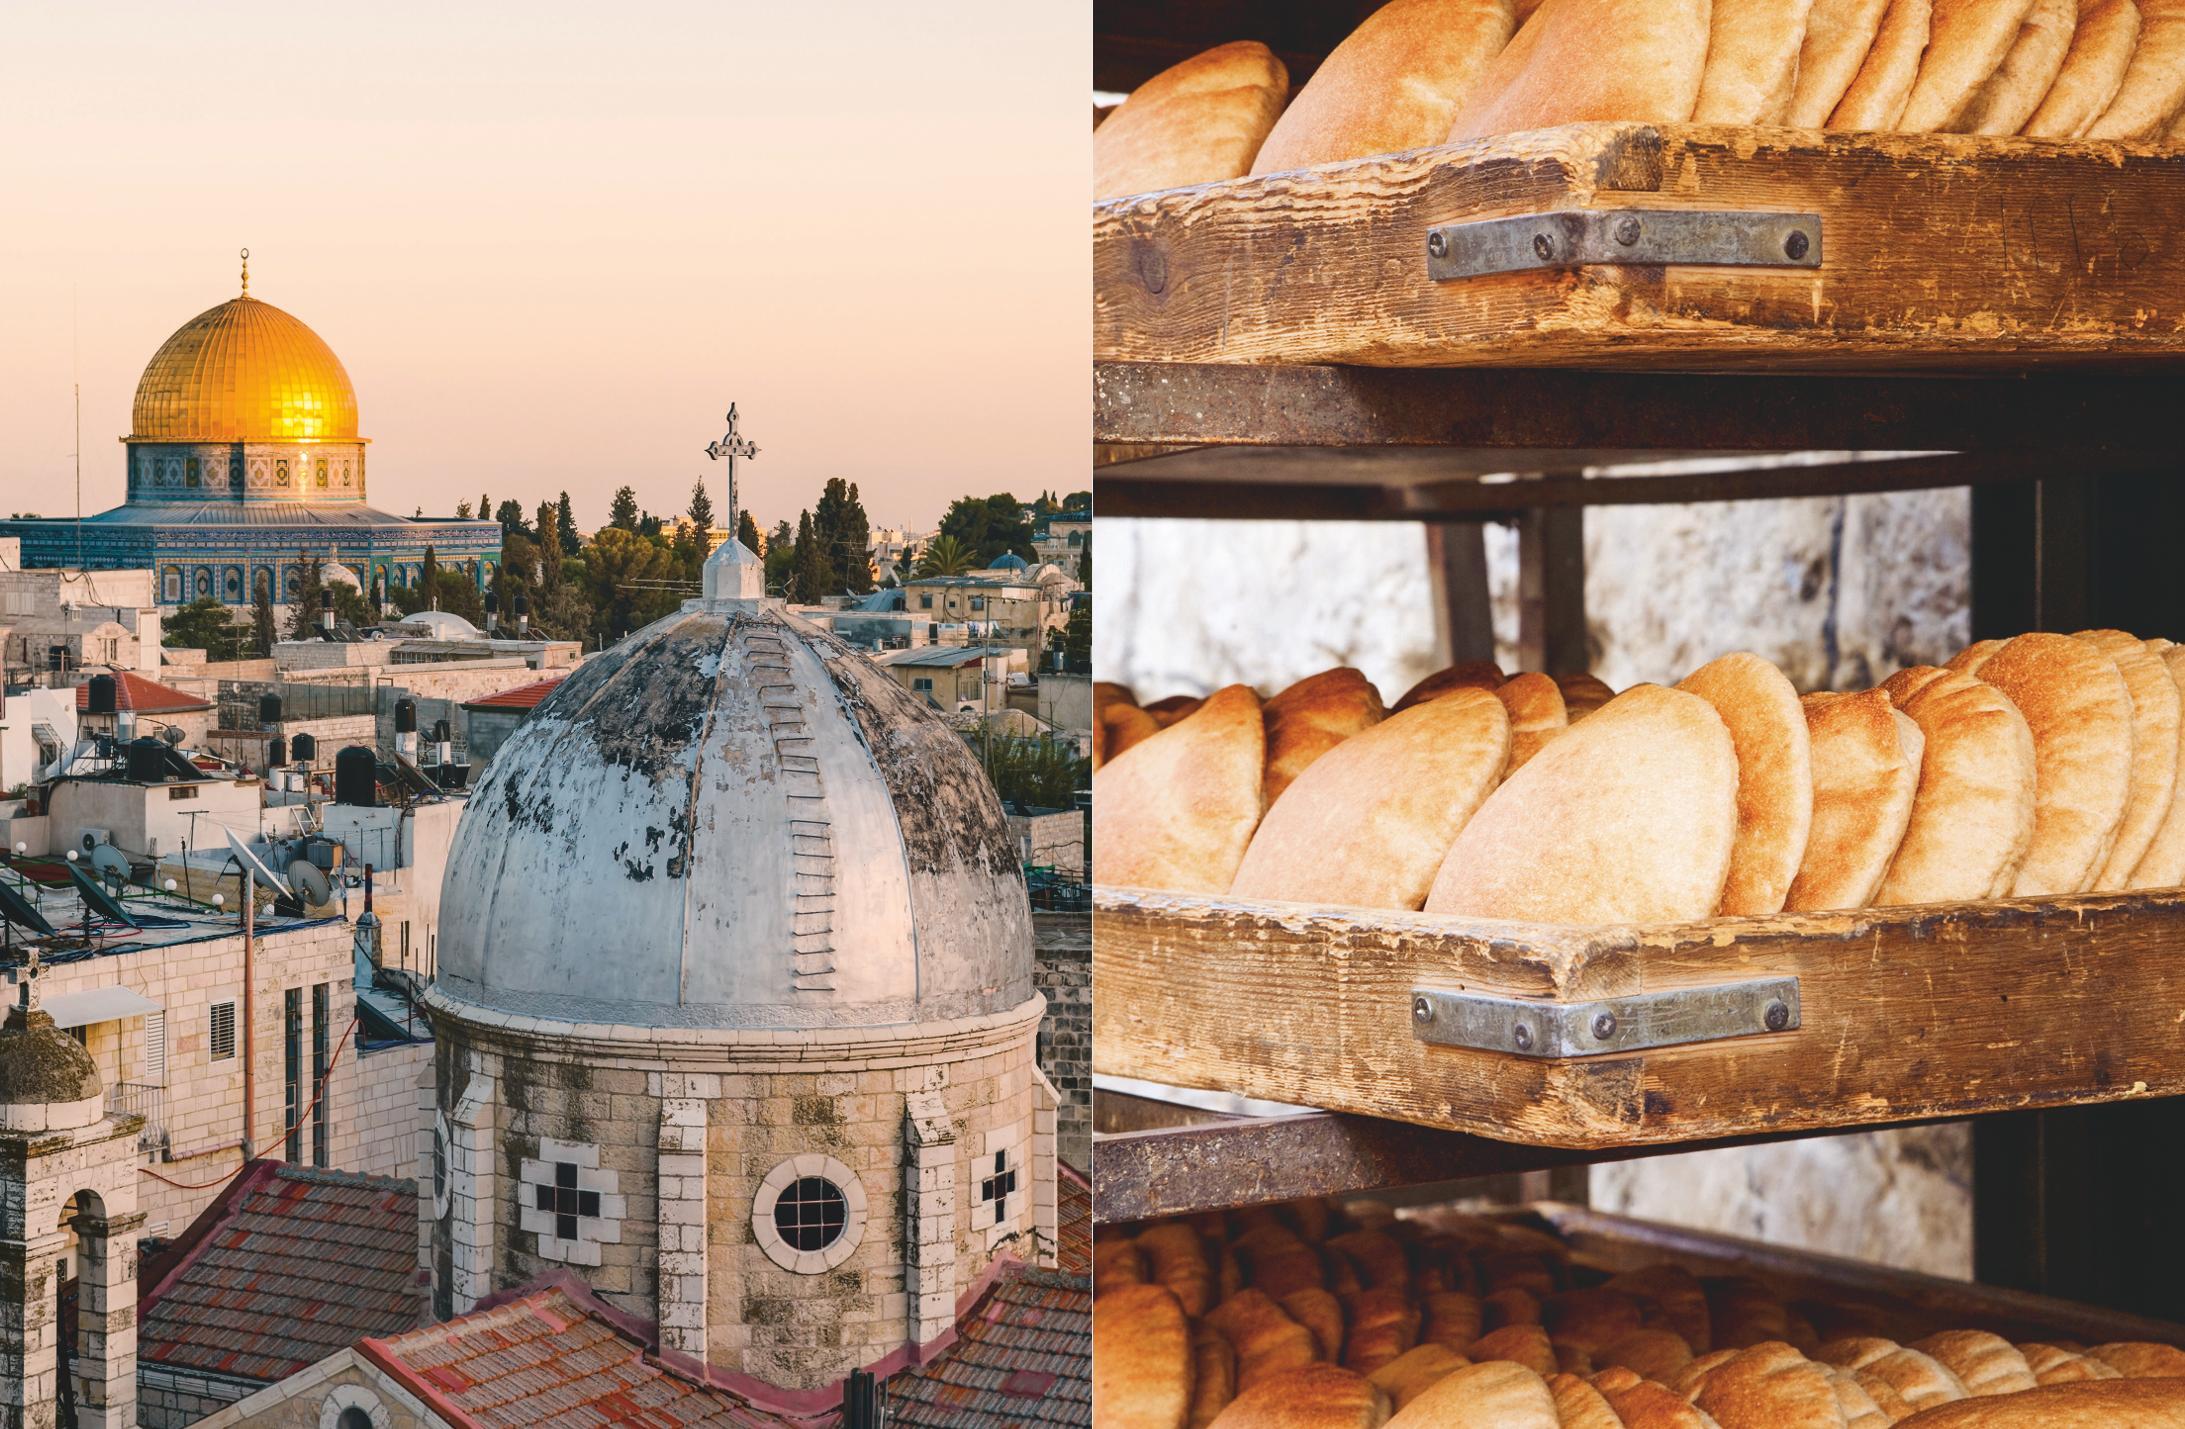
[{"x": 1064, "y": 976}]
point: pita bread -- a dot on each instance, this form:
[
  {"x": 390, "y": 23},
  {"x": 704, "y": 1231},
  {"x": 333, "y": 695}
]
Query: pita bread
[
  {"x": 1769, "y": 1383},
  {"x": 1213, "y": 1375},
  {"x": 2022, "y": 81},
  {"x": 2075, "y": 701},
  {"x": 1909, "y": 681},
  {"x": 1884, "y": 82},
  {"x": 1576, "y": 60},
  {"x": 1902, "y": 1381},
  {"x": 2109, "y": 1404},
  {"x": 2163, "y": 865},
  {"x": 1652, "y": 1353},
  {"x": 1752, "y": 61},
  {"x": 1317, "y": 1396},
  {"x": 1267, "y": 1341},
  {"x": 1866, "y": 759},
  {"x": 1417, "y": 1370},
  {"x": 1367, "y": 826},
  {"x": 2140, "y": 1359},
  {"x": 1176, "y": 811},
  {"x": 1467, "y": 675},
  {"x": 1966, "y": 43},
  {"x": 2101, "y": 48},
  {"x": 1643, "y": 1402},
  {"x": 1985, "y": 1364},
  {"x": 2155, "y": 718},
  {"x": 2154, "y": 82},
  {"x": 1578, "y": 1405},
  {"x": 1583, "y": 694},
  {"x": 1629, "y": 817},
  {"x": 1537, "y": 714},
  {"x": 1193, "y": 123},
  {"x": 1393, "y": 84},
  {"x": 1141, "y": 1359},
  {"x": 1839, "y": 33},
  {"x": 1969, "y": 660},
  {"x": 1759, "y": 705},
  {"x": 1493, "y": 1395},
  {"x": 1972, "y": 817},
  {"x": 1312, "y": 717},
  {"x": 1175, "y": 707},
  {"x": 1124, "y": 726},
  {"x": 2054, "y": 1364}
]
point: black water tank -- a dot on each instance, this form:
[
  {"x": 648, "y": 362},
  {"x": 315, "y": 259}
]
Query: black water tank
[
  {"x": 493, "y": 604},
  {"x": 523, "y": 603},
  {"x": 269, "y": 708},
  {"x": 405, "y": 716},
  {"x": 356, "y": 777},
  {"x": 146, "y": 760},
  {"x": 276, "y": 752},
  {"x": 304, "y": 747},
  {"x": 441, "y": 734},
  {"x": 101, "y": 696}
]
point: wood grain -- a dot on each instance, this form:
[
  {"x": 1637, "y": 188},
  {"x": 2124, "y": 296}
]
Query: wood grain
[
  {"x": 1941, "y": 250},
  {"x": 1908, "y": 1014}
]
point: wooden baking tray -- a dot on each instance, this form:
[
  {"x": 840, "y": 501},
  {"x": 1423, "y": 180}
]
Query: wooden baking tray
[
  {"x": 1935, "y": 251},
  {"x": 1900, "y": 1014}
]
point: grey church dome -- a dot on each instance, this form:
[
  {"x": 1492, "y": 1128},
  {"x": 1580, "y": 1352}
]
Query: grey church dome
[{"x": 733, "y": 820}]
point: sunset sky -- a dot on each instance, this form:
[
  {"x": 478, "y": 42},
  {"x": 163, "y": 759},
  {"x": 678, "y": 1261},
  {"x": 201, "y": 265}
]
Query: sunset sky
[{"x": 551, "y": 242}]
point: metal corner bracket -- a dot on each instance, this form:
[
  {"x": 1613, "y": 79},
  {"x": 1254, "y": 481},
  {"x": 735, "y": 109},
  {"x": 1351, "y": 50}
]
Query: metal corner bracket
[
  {"x": 1567, "y": 238},
  {"x": 1529, "y": 1027}
]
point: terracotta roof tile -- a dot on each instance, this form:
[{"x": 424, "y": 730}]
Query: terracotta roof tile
[
  {"x": 523, "y": 697},
  {"x": 141, "y": 696},
  {"x": 1023, "y": 1358}
]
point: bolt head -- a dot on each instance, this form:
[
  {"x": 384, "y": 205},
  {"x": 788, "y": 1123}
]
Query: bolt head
[
  {"x": 1523, "y": 1037},
  {"x": 1797, "y": 245},
  {"x": 1422, "y": 1009},
  {"x": 1604, "y": 1025},
  {"x": 1437, "y": 244},
  {"x": 1627, "y": 231},
  {"x": 1776, "y": 1015},
  {"x": 1544, "y": 245}
]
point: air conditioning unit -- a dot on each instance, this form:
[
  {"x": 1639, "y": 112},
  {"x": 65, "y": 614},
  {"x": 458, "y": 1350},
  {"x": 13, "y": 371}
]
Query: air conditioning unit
[{"x": 92, "y": 838}]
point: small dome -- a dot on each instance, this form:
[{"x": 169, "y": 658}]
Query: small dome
[
  {"x": 733, "y": 820},
  {"x": 48, "y": 1082},
  {"x": 241, "y": 372},
  {"x": 1009, "y": 561},
  {"x": 335, "y": 573},
  {"x": 441, "y": 625}
]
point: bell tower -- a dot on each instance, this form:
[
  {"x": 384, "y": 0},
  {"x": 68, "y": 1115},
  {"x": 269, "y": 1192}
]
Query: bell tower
[{"x": 67, "y": 1170}]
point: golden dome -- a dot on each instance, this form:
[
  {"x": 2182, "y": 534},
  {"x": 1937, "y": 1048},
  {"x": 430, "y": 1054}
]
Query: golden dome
[{"x": 244, "y": 372}]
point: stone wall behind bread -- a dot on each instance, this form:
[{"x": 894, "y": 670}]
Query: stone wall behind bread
[{"x": 1838, "y": 591}]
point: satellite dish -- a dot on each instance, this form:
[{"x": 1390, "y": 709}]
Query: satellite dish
[
  {"x": 305, "y": 878},
  {"x": 256, "y": 866},
  {"x": 173, "y": 735},
  {"x": 111, "y": 863}
]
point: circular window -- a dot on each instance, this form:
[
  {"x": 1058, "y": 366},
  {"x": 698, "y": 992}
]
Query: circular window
[{"x": 809, "y": 1214}]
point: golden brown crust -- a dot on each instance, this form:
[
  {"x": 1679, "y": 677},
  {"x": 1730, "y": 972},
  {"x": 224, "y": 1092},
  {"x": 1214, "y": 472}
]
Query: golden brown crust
[
  {"x": 1527, "y": 1345},
  {"x": 1645, "y": 1404},
  {"x": 1415, "y": 1371},
  {"x": 2109, "y": 1404},
  {"x": 1628, "y": 818},
  {"x": 1177, "y": 811},
  {"x": 1680, "y": 1298},
  {"x": 2163, "y": 865},
  {"x": 1176, "y": 1258},
  {"x": 2076, "y": 703},
  {"x": 2101, "y": 48},
  {"x": 1141, "y": 1375},
  {"x": 1213, "y": 1375},
  {"x": 1765, "y": 1386},
  {"x": 1453, "y": 1319},
  {"x": 1985, "y": 1364},
  {"x": 1382, "y": 1323},
  {"x": 1759, "y": 706},
  {"x": 1576, "y": 60},
  {"x": 1267, "y": 1340},
  {"x": 1967, "y": 42},
  {"x": 1839, "y": 33},
  {"x": 1469, "y": 675},
  {"x": 1175, "y": 707},
  {"x": 2155, "y": 720},
  {"x": 1583, "y": 694},
  {"x": 1592, "y": 1318},
  {"x": 1865, "y": 776},
  {"x": 1885, "y": 78},
  {"x": 1320, "y": 1312},
  {"x": 1312, "y": 717},
  {"x": 1537, "y": 714},
  {"x": 1969, "y": 660},
  {"x": 1909, "y": 681},
  {"x": 1312, "y": 1397},
  {"x": 2140, "y": 1359},
  {"x": 1578, "y": 1405},
  {"x": 1122, "y": 726},
  {"x": 1652, "y": 1353},
  {"x": 2153, "y": 87},
  {"x": 1752, "y": 61},
  {"x": 2029, "y": 68},
  {"x": 1493, "y": 1395},
  {"x": 1195, "y": 122},
  {"x": 1393, "y": 84},
  {"x": 1901, "y": 1381},
  {"x": 1972, "y": 818}
]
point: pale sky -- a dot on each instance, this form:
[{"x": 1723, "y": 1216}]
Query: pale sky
[{"x": 551, "y": 242}]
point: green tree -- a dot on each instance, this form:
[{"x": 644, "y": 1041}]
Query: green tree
[
  {"x": 565, "y": 523},
  {"x": 1077, "y": 639},
  {"x": 261, "y": 618},
  {"x": 853, "y": 546},
  {"x": 945, "y": 555},
  {"x": 510, "y": 515},
  {"x": 205, "y": 624},
  {"x": 781, "y": 556},
  {"x": 428, "y": 579},
  {"x": 462, "y": 510},
  {"x": 550, "y": 550},
  {"x": 485, "y": 507},
  {"x": 1079, "y": 502},
  {"x": 747, "y": 531},
  {"x": 701, "y": 507},
  {"x": 811, "y": 575},
  {"x": 990, "y": 527},
  {"x": 1036, "y": 772},
  {"x": 303, "y": 612},
  {"x": 631, "y": 580},
  {"x": 1084, "y": 562},
  {"x": 350, "y": 605},
  {"x": 622, "y": 511}
]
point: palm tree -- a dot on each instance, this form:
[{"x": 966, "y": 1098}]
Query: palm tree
[{"x": 946, "y": 556}]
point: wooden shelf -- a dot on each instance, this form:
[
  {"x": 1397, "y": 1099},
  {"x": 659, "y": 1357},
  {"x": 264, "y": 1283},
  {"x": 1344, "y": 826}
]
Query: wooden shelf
[
  {"x": 1904, "y": 1014},
  {"x": 1939, "y": 252}
]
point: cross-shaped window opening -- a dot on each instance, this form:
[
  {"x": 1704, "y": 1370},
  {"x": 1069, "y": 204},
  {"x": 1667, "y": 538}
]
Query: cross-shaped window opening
[
  {"x": 997, "y": 1187},
  {"x": 565, "y": 1202}
]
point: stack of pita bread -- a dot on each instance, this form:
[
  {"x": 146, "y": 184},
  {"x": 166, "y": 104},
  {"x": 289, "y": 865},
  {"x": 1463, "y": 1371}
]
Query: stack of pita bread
[
  {"x": 1300, "y": 1317},
  {"x": 2048, "y": 764},
  {"x": 1425, "y": 72}
]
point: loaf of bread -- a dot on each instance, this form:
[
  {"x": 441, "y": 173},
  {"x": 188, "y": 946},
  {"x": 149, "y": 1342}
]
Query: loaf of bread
[
  {"x": 1759, "y": 706},
  {"x": 1839, "y": 34},
  {"x": 1312, "y": 1397},
  {"x": 1394, "y": 84},
  {"x": 2102, "y": 43},
  {"x": 1583, "y": 694},
  {"x": 1141, "y": 1375},
  {"x": 1177, "y": 810},
  {"x": 1752, "y": 61},
  {"x": 1879, "y": 91},
  {"x": 2163, "y": 865},
  {"x": 1966, "y": 44},
  {"x": 1193, "y": 123},
  {"x": 1972, "y": 816},
  {"x": 2153, "y": 789},
  {"x": 1537, "y": 714},
  {"x": 1465, "y": 675},
  {"x": 1866, "y": 761},
  {"x": 2113, "y": 1404},
  {"x": 2029, "y": 68},
  {"x": 1312, "y": 717},
  {"x": 1591, "y": 59},
  {"x": 2153, "y": 87}
]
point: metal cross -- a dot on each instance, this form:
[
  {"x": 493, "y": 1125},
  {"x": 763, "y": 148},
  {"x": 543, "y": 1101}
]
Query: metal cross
[{"x": 732, "y": 446}]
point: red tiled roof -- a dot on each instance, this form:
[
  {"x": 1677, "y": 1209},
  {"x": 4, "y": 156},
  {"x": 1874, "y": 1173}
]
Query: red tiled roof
[
  {"x": 550, "y": 1355},
  {"x": 288, "y": 1266},
  {"x": 141, "y": 696},
  {"x": 1023, "y": 1357},
  {"x": 1073, "y": 1218},
  {"x": 523, "y": 697}
]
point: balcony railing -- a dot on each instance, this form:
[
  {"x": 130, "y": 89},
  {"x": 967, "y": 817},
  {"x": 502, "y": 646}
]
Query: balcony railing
[{"x": 145, "y": 1100}]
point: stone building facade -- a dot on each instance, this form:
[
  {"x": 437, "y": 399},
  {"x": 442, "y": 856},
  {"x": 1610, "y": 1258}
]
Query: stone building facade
[{"x": 1065, "y": 1037}]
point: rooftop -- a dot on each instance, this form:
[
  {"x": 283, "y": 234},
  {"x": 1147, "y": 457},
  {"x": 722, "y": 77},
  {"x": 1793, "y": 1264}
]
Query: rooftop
[
  {"x": 944, "y": 657},
  {"x": 288, "y": 1266},
  {"x": 138, "y": 695},
  {"x": 523, "y": 697},
  {"x": 76, "y": 927},
  {"x": 1023, "y": 1357}
]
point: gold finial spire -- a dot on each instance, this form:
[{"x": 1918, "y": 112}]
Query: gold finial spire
[{"x": 246, "y": 272}]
